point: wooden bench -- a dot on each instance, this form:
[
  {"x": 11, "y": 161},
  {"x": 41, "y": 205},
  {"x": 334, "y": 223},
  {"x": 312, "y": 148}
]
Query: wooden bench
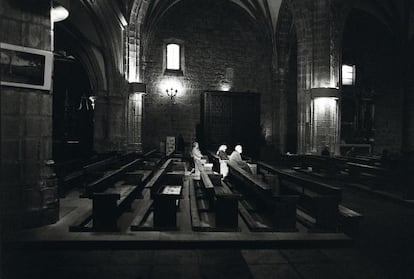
[
  {"x": 317, "y": 199},
  {"x": 158, "y": 177},
  {"x": 71, "y": 174},
  {"x": 320, "y": 164},
  {"x": 101, "y": 184},
  {"x": 372, "y": 176},
  {"x": 98, "y": 166},
  {"x": 224, "y": 201},
  {"x": 95, "y": 171},
  {"x": 108, "y": 205},
  {"x": 280, "y": 208},
  {"x": 166, "y": 203},
  {"x": 163, "y": 205},
  {"x": 349, "y": 220}
]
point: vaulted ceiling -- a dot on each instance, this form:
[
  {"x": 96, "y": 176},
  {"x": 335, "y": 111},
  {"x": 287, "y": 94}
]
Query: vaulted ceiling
[{"x": 264, "y": 12}]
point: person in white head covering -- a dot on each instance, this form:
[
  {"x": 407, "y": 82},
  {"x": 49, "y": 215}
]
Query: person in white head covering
[{"x": 221, "y": 152}]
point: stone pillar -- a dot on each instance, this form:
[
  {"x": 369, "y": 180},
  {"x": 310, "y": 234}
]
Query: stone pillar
[
  {"x": 304, "y": 82},
  {"x": 283, "y": 104},
  {"x": 100, "y": 122},
  {"x": 319, "y": 59},
  {"x": 134, "y": 117},
  {"x": 28, "y": 185},
  {"x": 110, "y": 122}
]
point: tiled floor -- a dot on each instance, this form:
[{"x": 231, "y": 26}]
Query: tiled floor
[
  {"x": 214, "y": 264},
  {"x": 384, "y": 249}
]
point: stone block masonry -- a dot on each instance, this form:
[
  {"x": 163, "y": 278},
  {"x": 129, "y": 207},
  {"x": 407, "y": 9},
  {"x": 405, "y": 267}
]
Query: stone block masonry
[
  {"x": 28, "y": 188},
  {"x": 214, "y": 39}
]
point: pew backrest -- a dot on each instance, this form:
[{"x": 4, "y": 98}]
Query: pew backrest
[
  {"x": 235, "y": 170},
  {"x": 304, "y": 182}
]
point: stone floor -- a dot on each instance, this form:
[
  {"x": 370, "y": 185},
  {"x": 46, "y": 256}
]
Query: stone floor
[{"x": 384, "y": 249}]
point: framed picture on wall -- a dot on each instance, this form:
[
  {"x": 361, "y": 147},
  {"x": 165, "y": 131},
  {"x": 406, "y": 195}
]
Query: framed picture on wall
[{"x": 25, "y": 67}]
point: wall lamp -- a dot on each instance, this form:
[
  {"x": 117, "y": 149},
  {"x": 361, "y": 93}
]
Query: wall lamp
[
  {"x": 171, "y": 92},
  {"x": 59, "y": 10}
]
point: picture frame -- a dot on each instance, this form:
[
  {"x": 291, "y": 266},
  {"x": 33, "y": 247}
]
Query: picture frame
[{"x": 25, "y": 67}]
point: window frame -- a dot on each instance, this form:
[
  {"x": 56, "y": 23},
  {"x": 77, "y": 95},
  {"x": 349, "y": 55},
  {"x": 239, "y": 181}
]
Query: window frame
[
  {"x": 353, "y": 79},
  {"x": 181, "y": 69}
]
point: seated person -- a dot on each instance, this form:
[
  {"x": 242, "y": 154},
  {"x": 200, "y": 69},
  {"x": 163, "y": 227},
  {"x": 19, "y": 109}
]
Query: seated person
[
  {"x": 236, "y": 158},
  {"x": 221, "y": 152},
  {"x": 351, "y": 152},
  {"x": 325, "y": 151},
  {"x": 195, "y": 152},
  {"x": 385, "y": 158},
  {"x": 197, "y": 156}
]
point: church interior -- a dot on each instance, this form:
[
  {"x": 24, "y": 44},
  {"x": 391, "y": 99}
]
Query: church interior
[{"x": 207, "y": 139}]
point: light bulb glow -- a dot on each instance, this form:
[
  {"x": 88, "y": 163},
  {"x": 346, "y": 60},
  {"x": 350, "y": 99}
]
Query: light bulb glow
[{"x": 59, "y": 13}]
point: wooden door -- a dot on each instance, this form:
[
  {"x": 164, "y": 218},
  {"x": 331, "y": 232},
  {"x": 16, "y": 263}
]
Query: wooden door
[{"x": 231, "y": 118}]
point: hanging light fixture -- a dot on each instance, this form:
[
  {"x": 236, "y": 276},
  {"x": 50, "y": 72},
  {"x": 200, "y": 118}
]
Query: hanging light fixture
[{"x": 59, "y": 10}]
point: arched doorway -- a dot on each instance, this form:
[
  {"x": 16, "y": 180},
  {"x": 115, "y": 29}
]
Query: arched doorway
[
  {"x": 371, "y": 100},
  {"x": 73, "y": 105}
]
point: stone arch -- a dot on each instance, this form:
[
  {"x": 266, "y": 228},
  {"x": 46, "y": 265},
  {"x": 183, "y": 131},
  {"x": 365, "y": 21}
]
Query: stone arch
[
  {"x": 111, "y": 44},
  {"x": 87, "y": 57},
  {"x": 134, "y": 45}
]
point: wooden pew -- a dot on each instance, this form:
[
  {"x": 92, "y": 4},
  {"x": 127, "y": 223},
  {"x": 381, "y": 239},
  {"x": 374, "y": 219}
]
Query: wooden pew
[
  {"x": 156, "y": 196},
  {"x": 372, "y": 176},
  {"x": 320, "y": 165},
  {"x": 72, "y": 174},
  {"x": 110, "y": 177},
  {"x": 349, "y": 220},
  {"x": 94, "y": 170},
  {"x": 101, "y": 184},
  {"x": 280, "y": 208},
  {"x": 225, "y": 202},
  {"x": 166, "y": 203},
  {"x": 157, "y": 178},
  {"x": 108, "y": 205},
  {"x": 317, "y": 199}
]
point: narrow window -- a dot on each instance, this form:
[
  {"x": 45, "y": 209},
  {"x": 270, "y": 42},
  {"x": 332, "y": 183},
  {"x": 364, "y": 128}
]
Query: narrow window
[
  {"x": 348, "y": 74},
  {"x": 173, "y": 57}
]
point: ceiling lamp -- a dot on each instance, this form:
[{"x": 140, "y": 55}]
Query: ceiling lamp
[{"x": 60, "y": 10}]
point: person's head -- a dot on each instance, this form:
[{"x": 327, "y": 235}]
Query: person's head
[
  {"x": 223, "y": 148},
  {"x": 239, "y": 148},
  {"x": 195, "y": 144}
]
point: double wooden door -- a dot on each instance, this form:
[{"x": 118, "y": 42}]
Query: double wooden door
[{"x": 231, "y": 118}]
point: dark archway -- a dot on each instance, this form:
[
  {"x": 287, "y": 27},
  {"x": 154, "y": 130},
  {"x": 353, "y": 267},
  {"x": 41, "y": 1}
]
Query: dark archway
[
  {"x": 371, "y": 107},
  {"x": 72, "y": 108}
]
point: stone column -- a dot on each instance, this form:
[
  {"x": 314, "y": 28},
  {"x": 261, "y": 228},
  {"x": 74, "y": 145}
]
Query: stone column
[
  {"x": 282, "y": 82},
  {"x": 319, "y": 58},
  {"x": 28, "y": 185},
  {"x": 110, "y": 122},
  {"x": 134, "y": 116},
  {"x": 100, "y": 122}
]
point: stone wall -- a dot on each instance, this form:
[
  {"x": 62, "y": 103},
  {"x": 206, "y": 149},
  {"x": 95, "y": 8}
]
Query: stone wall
[
  {"x": 217, "y": 36},
  {"x": 28, "y": 190}
]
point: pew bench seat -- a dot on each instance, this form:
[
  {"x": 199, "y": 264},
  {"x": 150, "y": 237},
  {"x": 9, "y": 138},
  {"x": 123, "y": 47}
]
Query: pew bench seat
[
  {"x": 349, "y": 220},
  {"x": 372, "y": 176},
  {"x": 279, "y": 209}
]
